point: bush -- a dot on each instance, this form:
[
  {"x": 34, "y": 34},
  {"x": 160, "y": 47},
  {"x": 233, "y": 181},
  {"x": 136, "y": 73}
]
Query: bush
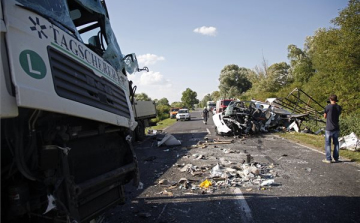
[
  {"x": 313, "y": 125},
  {"x": 350, "y": 123}
]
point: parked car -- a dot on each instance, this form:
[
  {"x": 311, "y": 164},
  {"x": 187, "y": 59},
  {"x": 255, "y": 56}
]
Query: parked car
[{"x": 183, "y": 114}]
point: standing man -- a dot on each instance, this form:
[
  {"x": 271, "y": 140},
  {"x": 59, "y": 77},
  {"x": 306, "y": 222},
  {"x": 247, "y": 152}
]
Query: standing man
[
  {"x": 205, "y": 115},
  {"x": 332, "y": 130}
]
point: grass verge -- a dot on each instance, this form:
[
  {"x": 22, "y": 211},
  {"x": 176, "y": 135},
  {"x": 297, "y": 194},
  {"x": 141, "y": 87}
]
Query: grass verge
[
  {"x": 162, "y": 124},
  {"x": 318, "y": 142}
]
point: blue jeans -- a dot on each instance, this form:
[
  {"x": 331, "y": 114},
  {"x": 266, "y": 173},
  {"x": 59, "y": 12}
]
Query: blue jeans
[{"x": 334, "y": 135}]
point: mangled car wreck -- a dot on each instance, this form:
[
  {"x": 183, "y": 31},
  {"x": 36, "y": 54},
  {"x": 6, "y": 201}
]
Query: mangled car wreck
[
  {"x": 252, "y": 117},
  {"x": 245, "y": 117}
]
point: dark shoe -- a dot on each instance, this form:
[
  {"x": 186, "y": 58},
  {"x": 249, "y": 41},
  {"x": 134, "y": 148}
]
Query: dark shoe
[
  {"x": 326, "y": 161},
  {"x": 337, "y": 161}
]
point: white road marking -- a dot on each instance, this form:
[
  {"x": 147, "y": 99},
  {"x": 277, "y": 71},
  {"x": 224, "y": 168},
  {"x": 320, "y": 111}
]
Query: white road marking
[
  {"x": 245, "y": 209},
  {"x": 208, "y": 131}
]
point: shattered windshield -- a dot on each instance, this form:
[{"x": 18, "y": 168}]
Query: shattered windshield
[
  {"x": 226, "y": 103},
  {"x": 56, "y": 11},
  {"x": 88, "y": 21}
]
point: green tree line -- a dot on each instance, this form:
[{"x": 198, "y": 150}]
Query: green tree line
[
  {"x": 329, "y": 63},
  {"x": 188, "y": 100}
]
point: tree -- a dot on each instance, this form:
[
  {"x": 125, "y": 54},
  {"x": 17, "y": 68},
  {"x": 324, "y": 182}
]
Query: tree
[
  {"x": 142, "y": 97},
  {"x": 335, "y": 55},
  {"x": 189, "y": 98},
  {"x": 279, "y": 76},
  {"x": 177, "y": 104},
  {"x": 215, "y": 95},
  {"x": 163, "y": 101},
  {"x": 301, "y": 65},
  {"x": 233, "y": 81},
  {"x": 205, "y": 99}
]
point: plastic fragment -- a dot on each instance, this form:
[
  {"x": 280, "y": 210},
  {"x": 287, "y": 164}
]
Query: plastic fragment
[{"x": 205, "y": 184}]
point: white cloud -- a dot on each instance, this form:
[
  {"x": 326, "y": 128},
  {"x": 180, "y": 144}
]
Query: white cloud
[
  {"x": 206, "y": 30},
  {"x": 148, "y": 59},
  {"x": 150, "y": 78},
  {"x": 154, "y": 85}
]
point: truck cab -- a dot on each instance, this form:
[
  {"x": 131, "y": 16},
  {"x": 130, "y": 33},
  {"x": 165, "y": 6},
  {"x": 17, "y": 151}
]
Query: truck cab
[
  {"x": 222, "y": 104},
  {"x": 66, "y": 115}
]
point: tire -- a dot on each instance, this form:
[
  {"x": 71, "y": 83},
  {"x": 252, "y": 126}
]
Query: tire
[{"x": 140, "y": 131}]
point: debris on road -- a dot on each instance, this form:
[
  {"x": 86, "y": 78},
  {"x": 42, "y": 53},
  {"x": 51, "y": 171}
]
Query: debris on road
[
  {"x": 205, "y": 184},
  {"x": 267, "y": 182},
  {"x": 153, "y": 132},
  {"x": 225, "y": 174},
  {"x": 169, "y": 140},
  {"x": 350, "y": 142}
]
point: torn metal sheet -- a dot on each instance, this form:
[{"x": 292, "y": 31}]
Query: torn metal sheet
[
  {"x": 220, "y": 125},
  {"x": 294, "y": 126},
  {"x": 169, "y": 140},
  {"x": 51, "y": 203},
  {"x": 301, "y": 106},
  {"x": 243, "y": 117},
  {"x": 252, "y": 117},
  {"x": 350, "y": 142}
]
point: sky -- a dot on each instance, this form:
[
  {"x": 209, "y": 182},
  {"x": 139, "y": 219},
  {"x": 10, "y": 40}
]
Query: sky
[{"x": 186, "y": 43}]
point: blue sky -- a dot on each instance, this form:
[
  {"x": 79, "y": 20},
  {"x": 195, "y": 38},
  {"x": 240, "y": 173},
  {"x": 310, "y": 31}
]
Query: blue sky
[{"x": 186, "y": 43}]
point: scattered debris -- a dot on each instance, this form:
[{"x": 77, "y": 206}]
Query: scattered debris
[
  {"x": 183, "y": 183},
  {"x": 350, "y": 142},
  {"x": 164, "y": 182},
  {"x": 293, "y": 126},
  {"x": 168, "y": 193},
  {"x": 169, "y": 140},
  {"x": 141, "y": 186},
  {"x": 153, "y": 132},
  {"x": 267, "y": 182},
  {"x": 217, "y": 171},
  {"x": 205, "y": 184}
]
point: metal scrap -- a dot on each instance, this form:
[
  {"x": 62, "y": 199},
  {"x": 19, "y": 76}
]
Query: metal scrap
[{"x": 252, "y": 117}]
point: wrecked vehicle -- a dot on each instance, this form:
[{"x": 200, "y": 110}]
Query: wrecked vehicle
[
  {"x": 241, "y": 117},
  {"x": 66, "y": 113},
  {"x": 250, "y": 117}
]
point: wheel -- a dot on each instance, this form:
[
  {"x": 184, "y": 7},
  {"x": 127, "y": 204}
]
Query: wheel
[{"x": 140, "y": 131}]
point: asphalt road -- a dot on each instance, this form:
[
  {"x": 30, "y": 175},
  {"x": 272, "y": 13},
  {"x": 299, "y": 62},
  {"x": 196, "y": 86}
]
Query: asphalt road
[{"x": 304, "y": 189}]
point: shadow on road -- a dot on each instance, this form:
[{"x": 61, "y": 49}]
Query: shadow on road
[{"x": 149, "y": 205}]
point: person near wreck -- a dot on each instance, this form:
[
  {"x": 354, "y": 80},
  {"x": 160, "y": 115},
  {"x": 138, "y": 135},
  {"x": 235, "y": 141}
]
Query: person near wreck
[
  {"x": 332, "y": 113},
  {"x": 205, "y": 115}
]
